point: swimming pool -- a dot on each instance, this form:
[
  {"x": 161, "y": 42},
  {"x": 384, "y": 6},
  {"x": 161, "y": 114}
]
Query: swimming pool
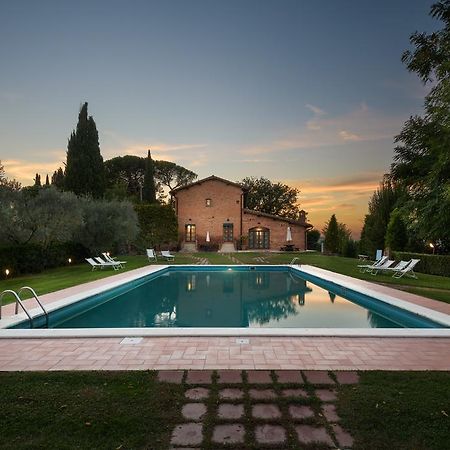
[{"x": 254, "y": 297}]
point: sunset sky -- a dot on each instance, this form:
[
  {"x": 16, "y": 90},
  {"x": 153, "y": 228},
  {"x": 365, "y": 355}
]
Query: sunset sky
[{"x": 307, "y": 93}]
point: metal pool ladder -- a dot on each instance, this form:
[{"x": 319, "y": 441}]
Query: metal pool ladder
[
  {"x": 19, "y": 302},
  {"x": 293, "y": 261}
]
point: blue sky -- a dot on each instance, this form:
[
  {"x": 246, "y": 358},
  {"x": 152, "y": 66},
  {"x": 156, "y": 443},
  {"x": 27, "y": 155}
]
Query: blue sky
[{"x": 308, "y": 93}]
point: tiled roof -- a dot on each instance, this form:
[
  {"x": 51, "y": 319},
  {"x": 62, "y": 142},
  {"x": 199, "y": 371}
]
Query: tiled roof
[
  {"x": 273, "y": 216},
  {"x": 211, "y": 178}
]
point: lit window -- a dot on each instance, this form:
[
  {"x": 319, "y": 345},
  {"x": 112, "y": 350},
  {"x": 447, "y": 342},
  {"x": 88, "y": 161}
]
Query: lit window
[{"x": 208, "y": 202}]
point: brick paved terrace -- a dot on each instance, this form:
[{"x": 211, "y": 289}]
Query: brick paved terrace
[{"x": 162, "y": 353}]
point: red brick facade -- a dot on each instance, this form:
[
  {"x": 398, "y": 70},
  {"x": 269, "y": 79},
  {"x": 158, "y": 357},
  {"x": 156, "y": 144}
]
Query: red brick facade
[{"x": 214, "y": 206}]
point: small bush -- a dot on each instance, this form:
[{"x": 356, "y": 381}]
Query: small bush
[
  {"x": 209, "y": 247},
  {"x": 430, "y": 264}
]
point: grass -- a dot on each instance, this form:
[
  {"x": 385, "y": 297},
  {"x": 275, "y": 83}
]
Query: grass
[
  {"x": 51, "y": 280},
  {"x": 398, "y": 410},
  {"x": 70, "y": 410},
  {"x": 131, "y": 410}
]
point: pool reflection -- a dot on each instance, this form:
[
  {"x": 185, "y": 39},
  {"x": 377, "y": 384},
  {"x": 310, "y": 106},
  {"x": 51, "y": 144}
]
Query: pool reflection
[{"x": 227, "y": 299}]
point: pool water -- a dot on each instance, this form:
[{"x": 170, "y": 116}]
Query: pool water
[{"x": 238, "y": 297}]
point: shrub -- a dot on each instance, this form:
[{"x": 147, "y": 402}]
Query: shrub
[
  {"x": 430, "y": 264},
  {"x": 209, "y": 247},
  {"x": 34, "y": 258}
]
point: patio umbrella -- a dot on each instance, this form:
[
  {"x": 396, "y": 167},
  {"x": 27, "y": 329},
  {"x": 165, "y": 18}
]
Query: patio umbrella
[
  {"x": 288, "y": 234},
  {"x": 207, "y": 236}
]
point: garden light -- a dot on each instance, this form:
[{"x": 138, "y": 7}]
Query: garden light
[
  {"x": 7, "y": 272},
  {"x": 69, "y": 260}
]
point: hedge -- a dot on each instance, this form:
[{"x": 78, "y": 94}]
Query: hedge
[
  {"x": 33, "y": 258},
  {"x": 430, "y": 264},
  {"x": 158, "y": 225}
]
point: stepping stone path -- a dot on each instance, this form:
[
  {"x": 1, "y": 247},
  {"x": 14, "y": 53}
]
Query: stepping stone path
[
  {"x": 200, "y": 261},
  {"x": 272, "y": 409}
]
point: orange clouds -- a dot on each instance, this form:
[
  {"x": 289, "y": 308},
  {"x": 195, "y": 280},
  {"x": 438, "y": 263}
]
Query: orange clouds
[
  {"x": 346, "y": 197},
  {"x": 25, "y": 171}
]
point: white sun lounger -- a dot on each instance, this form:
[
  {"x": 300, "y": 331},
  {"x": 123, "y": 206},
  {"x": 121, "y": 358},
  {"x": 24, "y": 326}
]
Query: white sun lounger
[
  {"x": 400, "y": 266},
  {"x": 408, "y": 270},
  {"x": 382, "y": 267},
  {"x": 96, "y": 264},
  {"x": 166, "y": 254},
  {"x": 369, "y": 267},
  {"x": 112, "y": 260},
  {"x": 115, "y": 265}
]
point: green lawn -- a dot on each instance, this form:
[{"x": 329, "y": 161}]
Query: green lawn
[
  {"x": 87, "y": 410},
  {"x": 51, "y": 280},
  {"x": 431, "y": 286},
  {"x": 398, "y": 410},
  {"x": 131, "y": 410}
]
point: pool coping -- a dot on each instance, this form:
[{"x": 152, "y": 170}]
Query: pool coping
[{"x": 389, "y": 295}]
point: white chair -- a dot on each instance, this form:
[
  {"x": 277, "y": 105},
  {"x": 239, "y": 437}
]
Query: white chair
[
  {"x": 369, "y": 267},
  {"x": 112, "y": 260},
  {"x": 151, "y": 255},
  {"x": 408, "y": 270},
  {"x": 115, "y": 265},
  {"x": 382, "y": 267},
  {"x": 167, "y": 255}
]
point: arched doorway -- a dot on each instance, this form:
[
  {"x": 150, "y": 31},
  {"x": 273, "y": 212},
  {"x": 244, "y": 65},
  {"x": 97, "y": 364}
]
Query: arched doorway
[{"x": 259, "y": 238}]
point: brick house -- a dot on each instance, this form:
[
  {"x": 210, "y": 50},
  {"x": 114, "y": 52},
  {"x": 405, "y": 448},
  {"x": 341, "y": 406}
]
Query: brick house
[{"x": 213, "y": 210}]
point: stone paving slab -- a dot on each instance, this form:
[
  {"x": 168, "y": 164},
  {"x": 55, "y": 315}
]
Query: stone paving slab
[
  {"x": 318, "y": 377},
  {"x": 229, "y": 376},
  {"x": 270, "y": 434},
  {"x": 259, "y": 377},
  {"x": 199, "y": 377},
  {"x": 229, "y": 434},
  {"x": 300, "y": 412},
  {"x": 308, "y": 434},
  {"x": 230, "y": 411},
  {"x": 171, "y": 376},
  {"x": 266, "y": 411},
  {"x": 326, "y": 395},
  {"x": 296, "y": 393},
  {"x": 343, "y": 437},
  {"x": 329, "y": 411},
  {"x": 198, "y": 393},
  {"x": 187, "y": 434},
  {"x": 193, "y": 411},
  {"x": 262, "y": 394},
  {"x": 231, "y": 394},
  {"x": 289, "y": 376},
  {"x": 346, "y": 377}
]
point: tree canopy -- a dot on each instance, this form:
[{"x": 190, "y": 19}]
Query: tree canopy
[
  {"x": 422, "y": 157},
  {"x": 129, "y": 170},
  {"x": 272, "y": 198},
  {"x": 5, "y": 183},
  {"x": 85, "y": 173}
]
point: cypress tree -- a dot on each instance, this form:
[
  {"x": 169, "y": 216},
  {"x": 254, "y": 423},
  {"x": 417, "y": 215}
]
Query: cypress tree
[
  {"x": 85, "y": 172},
  {"x": 37, "y": 180},
  {"x": 47, "y": 181},
  {"x": 58, "y": 178},
  {"x": 148, "y": 190},
  {"x": 331, "y": 232}
]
